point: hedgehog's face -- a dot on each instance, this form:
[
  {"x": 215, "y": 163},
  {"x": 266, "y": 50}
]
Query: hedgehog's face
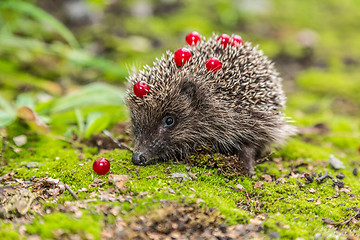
[{"x": 167, "y": 128}]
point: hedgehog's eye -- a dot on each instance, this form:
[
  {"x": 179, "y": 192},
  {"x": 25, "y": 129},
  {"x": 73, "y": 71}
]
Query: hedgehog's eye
[{"x": 169, "y": 121}]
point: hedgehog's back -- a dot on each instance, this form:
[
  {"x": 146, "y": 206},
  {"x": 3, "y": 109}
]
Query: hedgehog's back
[{"x": 247, "y": 79}]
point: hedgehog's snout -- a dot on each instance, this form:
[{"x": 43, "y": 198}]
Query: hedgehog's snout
[{"x": 138, "y": 159}]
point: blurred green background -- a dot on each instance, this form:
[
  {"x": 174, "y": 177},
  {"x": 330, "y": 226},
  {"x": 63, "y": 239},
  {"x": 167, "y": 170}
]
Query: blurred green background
[
  {"x": 50, "y": 48},
  {"x": 65, "y": 63}
]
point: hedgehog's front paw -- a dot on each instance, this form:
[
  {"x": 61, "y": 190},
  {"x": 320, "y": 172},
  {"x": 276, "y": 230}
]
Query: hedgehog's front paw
[{"x": 250, "y": 167}]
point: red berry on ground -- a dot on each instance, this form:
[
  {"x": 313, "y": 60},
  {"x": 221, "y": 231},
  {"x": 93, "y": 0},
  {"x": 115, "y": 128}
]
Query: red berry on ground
[
  {"x": 182, "y": 56},
  {"x": 213, "y": 64},
  {"x": 224, "y": 40},
  {"x": 237, "y": 40},
  {"x": 101, "y": 166},
  {"x": 193, "y": 38},
  {"x": 141, "y": 89}
]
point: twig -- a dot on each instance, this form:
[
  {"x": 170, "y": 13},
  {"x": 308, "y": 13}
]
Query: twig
[
  {"x": 323, "y": 177},
  {"x": 129, "y": 169},
  {"x": 120, "y": 145},
  {"x": 3, "y": 136},
  {"x": 71, "y": 192},
  {"x": 331, "y": 222},
  {"x": 137, "y": 171}
]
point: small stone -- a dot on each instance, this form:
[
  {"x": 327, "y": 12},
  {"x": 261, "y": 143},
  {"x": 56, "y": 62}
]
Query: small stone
[
  {"x": 317, "y": 236},
  {"x": 20, "y": 140},
  {"x": 340, "y": 176},
  {"x": 32, "y": 165},
  {"x": 226, "y": 180},
  {"x": 274, "y": 235},
  {"x": 341, "y": 204},
  {"x": 223, "y": 227},
  {"x": 355, "y": 171},
  {"x": 310, "y": 200},
  {"x": 335, "y": 162}
]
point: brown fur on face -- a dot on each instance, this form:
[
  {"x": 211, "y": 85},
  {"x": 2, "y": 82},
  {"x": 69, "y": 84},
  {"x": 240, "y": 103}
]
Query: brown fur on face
[{"x": 236, "y": 110}]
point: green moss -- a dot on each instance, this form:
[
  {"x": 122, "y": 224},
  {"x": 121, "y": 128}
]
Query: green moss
[
  {"x": 7, "y": 232},
  {"x": 343, "y": 85},
  {"x": 295, "y": 148},
  {"x": 68, "y": 224}
]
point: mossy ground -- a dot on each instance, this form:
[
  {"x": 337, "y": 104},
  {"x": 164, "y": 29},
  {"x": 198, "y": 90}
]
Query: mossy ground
[{"x": 322, "y": 87}]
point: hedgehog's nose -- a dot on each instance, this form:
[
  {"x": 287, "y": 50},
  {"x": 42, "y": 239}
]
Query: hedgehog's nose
[{"x": 138, "y": 159}]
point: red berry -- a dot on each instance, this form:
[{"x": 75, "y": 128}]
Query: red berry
[
  {"x": 237, "y": 40},
  {"x": 193, "y": 38},
  {"x": 101, "y": 166},
  {"x": 224, "y": 40},
  {"x": 213, "y": 64},
  {"x": 182, "y": 56},
  {"x": 141, "y": 89}
]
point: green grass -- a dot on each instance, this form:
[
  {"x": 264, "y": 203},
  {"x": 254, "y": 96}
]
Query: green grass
[
  {"x": 83, "y": 226},
  {"x": 326, "y": 92}
]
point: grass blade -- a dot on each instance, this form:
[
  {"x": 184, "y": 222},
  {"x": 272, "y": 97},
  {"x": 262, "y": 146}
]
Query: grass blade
[
  {"x": 42, "y": 16},
  {"x": 91, "y": 95}
]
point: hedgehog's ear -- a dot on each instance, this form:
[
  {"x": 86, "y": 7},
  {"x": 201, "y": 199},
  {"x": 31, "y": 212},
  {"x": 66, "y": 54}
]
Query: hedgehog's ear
[{"x": 190, "y": 91}]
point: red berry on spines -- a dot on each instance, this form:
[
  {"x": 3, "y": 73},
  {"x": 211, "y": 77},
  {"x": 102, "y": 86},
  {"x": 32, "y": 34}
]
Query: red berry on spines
[
  {"x": 101, "y": 166},
  {"x": 182, "y": 56},
  {"x": 224, "y": 40},
  {"x": 236, "y": 40},
  {"x": 141, "y": 88},
  {"x": 193, "y": 38},
  {"x": 213, "y": 64}
]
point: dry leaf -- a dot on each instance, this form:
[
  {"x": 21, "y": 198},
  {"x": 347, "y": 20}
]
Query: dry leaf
[
  {"x": 29, "y": 115},
  {"x": 258, "y": 220},
  {"x": 151, "y": 176},
  {"x": 119, "y": 181},
  {"x": 266, "y": 177},
  {"x": 258, "y": 185},
  {"x": 192, "y": 175},
  {"x": 199, "y": 200}
]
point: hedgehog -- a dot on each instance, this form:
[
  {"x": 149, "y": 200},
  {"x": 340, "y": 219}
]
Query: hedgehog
[{"x": 219, "y": 94}]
